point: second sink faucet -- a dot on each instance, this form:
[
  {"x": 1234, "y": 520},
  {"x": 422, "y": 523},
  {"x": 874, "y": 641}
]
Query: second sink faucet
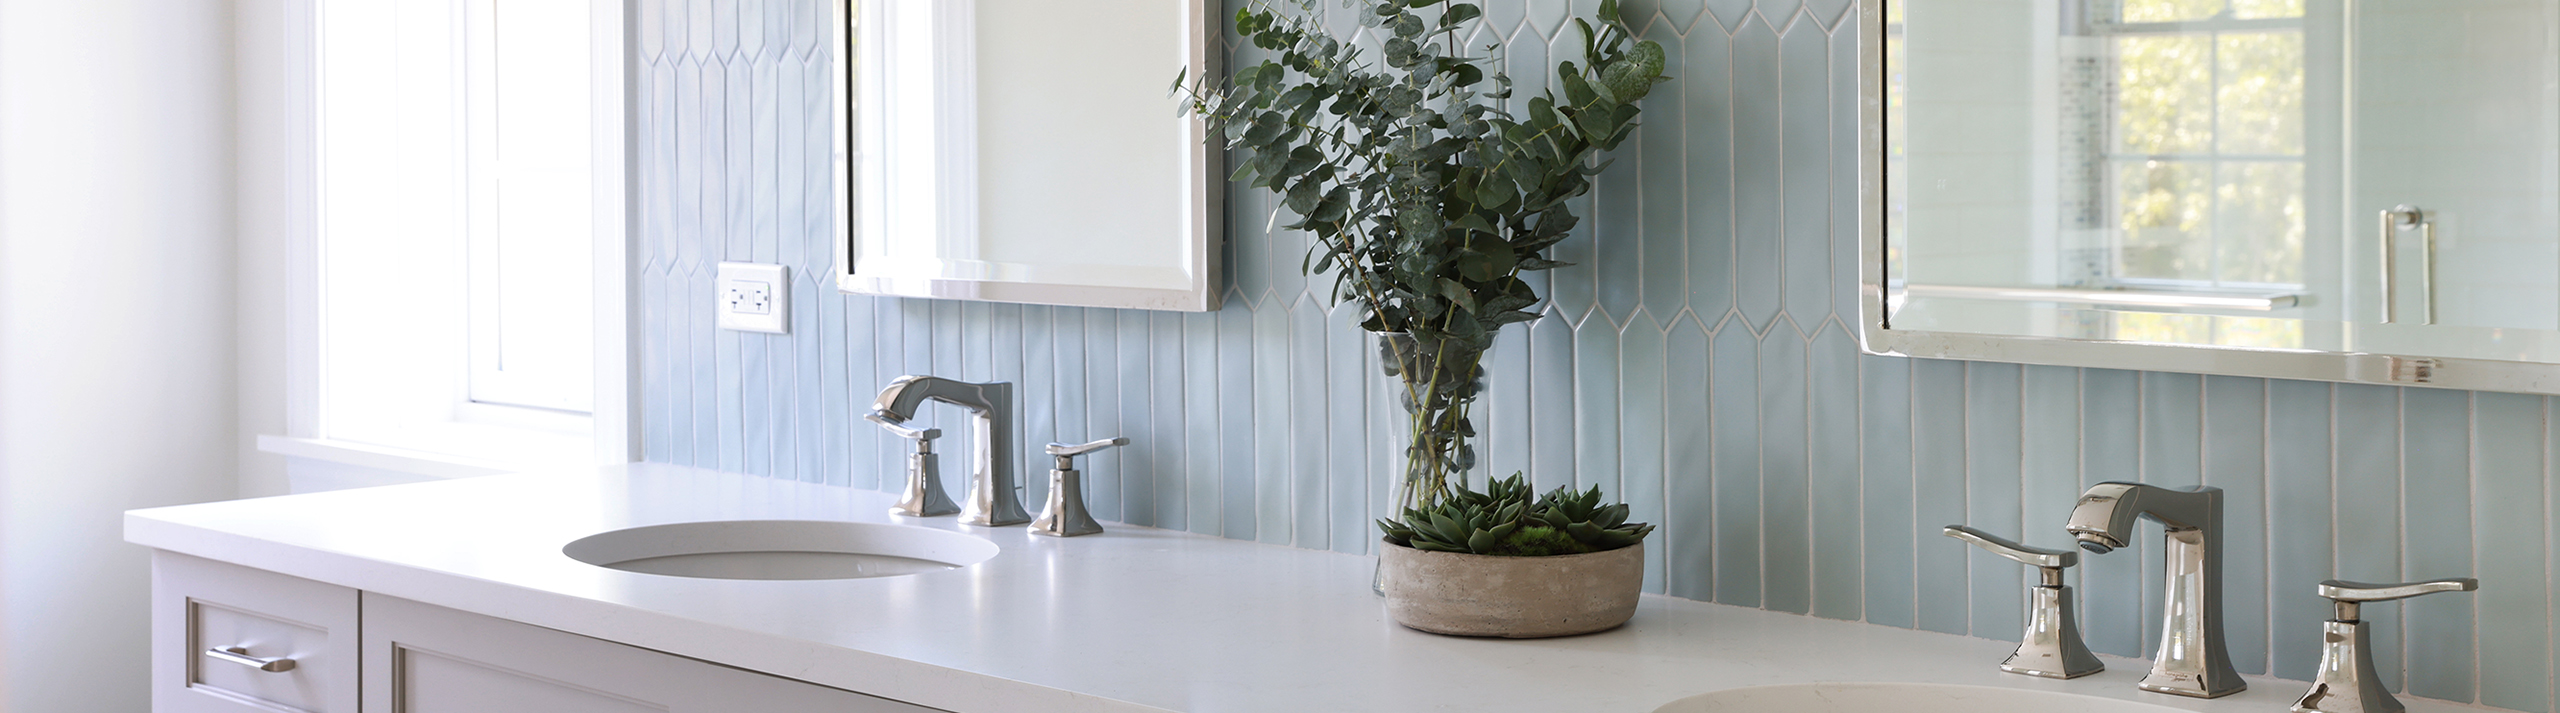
[
  {"x": 2192, "y": 660},
  {"x": 992, "y": 499}
]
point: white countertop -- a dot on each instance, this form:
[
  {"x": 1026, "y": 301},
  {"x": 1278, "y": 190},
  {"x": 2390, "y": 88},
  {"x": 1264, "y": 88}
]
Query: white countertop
[{"x": 1134, "y": 619}]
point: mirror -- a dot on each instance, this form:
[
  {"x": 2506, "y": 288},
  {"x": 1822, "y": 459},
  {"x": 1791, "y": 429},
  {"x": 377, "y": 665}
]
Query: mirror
[
  {"x": 2359, "y": 190},
  {"x": 1003, "y": 150}
]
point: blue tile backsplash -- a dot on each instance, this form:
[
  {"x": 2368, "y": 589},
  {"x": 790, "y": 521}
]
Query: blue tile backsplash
[{"x": 1699, "y": 362}]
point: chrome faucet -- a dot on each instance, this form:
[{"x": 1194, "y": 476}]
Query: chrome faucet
[
  {"x": 1065, "y": 515},
  {"x": 2346, "y": 682},
  {"x": 2192, "y": 660},
  {"x": 2051, "y": 647},
  {"x": 992, "y": 499},
  {"x": 923, "y": 495}
]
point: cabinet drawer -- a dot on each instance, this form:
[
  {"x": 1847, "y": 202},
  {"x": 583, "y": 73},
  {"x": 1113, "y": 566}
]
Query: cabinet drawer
[
  {"x": 228, "y": 638},
  {"x": 420, "y": 658}
]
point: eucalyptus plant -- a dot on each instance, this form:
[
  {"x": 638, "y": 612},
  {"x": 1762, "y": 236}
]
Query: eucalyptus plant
[{"x": 1427, "y": 188}]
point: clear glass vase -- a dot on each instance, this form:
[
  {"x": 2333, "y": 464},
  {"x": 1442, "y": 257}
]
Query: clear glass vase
[{"x": 1436, "y": 381}]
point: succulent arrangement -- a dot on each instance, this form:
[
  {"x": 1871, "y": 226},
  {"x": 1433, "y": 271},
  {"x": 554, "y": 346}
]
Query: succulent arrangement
[
  {"x": 1504, "y": 520},
  {"x": 1427, "y": 187}
]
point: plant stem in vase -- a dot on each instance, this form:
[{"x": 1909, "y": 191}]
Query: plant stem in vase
[{"x": 1437, "y": 381}]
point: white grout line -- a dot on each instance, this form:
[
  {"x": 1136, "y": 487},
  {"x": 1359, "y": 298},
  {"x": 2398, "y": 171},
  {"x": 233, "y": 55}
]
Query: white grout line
[
  {"x": 2471, "y": 478},
  {"x": 1911, "y": 417},
  {"x": 1964, "y": 500},
  {"x": 2080, "y": 466},
  {"x": 2142, "y": 474}
]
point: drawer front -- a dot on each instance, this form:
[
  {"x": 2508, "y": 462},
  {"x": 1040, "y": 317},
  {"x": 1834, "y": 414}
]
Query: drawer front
[
  {"x": 420, "y": 658},
  {"x": 229, "y": 638}
]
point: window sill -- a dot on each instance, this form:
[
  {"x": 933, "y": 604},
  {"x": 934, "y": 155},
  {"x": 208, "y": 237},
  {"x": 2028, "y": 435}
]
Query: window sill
[{"x": 403, "y": 460}]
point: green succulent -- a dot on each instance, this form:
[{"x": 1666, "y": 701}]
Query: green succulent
[
  {"x": 1580, "y": 515},
  {"x": 1504, "y": 520}
]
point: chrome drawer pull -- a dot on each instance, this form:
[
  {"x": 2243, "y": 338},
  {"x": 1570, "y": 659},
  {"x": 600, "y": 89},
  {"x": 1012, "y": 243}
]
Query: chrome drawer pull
[{"x": 240, "y": 655}]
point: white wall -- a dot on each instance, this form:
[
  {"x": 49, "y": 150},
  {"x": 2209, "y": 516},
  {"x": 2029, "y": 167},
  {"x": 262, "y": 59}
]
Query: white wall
[
  {"x": 274, "y": 78},
  {"x": 117, "y": 346}
]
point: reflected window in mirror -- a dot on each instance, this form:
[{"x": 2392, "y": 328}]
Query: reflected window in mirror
[{"x": 2303, "y": 175}]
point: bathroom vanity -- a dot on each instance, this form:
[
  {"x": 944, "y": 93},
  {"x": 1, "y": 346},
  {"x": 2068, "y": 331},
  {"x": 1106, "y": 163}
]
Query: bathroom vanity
[
  {"x": 252, "y": 640},
  {"x": 456, "y": 595}
]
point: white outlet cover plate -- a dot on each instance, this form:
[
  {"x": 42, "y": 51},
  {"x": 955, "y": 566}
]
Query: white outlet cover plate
[{"x": 746, "y": 279}]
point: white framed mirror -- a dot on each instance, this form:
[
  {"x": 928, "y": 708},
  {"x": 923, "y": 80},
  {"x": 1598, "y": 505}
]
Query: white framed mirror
[
  {"x": 1027, "y": 151},
  {"x": 2344, "y": 190}
]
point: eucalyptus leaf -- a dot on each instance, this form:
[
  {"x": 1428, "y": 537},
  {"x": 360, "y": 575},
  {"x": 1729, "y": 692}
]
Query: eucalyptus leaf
[
  {"x": 1495, "y": 192},
  {"x": 1459, "y": 13}
]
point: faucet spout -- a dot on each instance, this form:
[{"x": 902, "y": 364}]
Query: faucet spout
[
  {"x": 992, "y": 499},
  {"x": 2192, "y": 660},
  {"x": 2103, "y": 521}
]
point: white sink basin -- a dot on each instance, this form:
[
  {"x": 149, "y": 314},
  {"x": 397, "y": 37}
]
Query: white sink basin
[
  {"x": 1899, "y": 698},
  {"x": 780, "y": 549}
]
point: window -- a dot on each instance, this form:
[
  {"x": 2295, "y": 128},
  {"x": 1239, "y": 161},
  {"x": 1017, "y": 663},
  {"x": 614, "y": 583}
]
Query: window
[
  {"x": 468, "y": 192},
  {"x": 528, "y": 171},
  {"x": 2190, "y": 119}
]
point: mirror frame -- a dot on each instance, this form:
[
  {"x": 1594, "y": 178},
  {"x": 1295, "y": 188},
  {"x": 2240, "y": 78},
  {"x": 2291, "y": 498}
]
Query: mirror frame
[
  {"x": 1205, "y": 205},
  {"x": 1877, "y": 335}
]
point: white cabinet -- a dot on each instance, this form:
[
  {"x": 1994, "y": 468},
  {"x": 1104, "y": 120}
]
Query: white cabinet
[
  {"x": 287, "y": 644},
  {"x": 227, "y": 638},
  {"x": 427, "y": 659}
]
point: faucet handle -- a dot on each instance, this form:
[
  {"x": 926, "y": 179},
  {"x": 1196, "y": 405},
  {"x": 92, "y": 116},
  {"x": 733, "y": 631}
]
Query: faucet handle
[
  {"x": 2339, "y": 590},
  {"x": 2051, "y": 647},
  {"x": 923, "y": 495},
  {"x": 2346, "y": 681},
  {"x": 1062, "y": 450},
  {"x": 1065, "y": 515},
  {"x": 2023, "y": 554},
  {"x": 914, "y": 434}
]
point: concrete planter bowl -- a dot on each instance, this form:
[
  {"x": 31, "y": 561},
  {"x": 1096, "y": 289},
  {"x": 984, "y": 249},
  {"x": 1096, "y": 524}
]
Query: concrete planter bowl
[{"x": 1511, "y": 597}]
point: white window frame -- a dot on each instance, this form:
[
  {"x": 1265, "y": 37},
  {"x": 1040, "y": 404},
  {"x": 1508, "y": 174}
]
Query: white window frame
[
  {"x": 517, "y": 318},
  {"x": 481, "y": 440},
  {"x": 2214, "y": 27}
]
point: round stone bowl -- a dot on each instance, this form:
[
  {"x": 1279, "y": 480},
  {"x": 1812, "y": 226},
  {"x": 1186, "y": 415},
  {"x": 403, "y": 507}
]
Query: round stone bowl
[{"x": 1510, "y": 597}]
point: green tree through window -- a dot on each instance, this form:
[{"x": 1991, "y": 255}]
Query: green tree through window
[{"x": 2205, "y": 169}]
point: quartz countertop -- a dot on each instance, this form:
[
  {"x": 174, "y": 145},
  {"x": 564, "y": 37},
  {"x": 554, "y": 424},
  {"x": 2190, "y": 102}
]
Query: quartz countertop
[{"x": 1134, "y": 619}]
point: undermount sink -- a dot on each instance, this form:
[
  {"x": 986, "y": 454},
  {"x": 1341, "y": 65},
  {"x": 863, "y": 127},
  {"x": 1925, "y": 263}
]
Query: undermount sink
[
  {"x": 780, "y": 549},
  {"x": 1898, "y": 697}
]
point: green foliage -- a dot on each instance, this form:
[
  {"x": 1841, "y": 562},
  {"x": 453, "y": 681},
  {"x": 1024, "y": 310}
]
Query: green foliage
[
  {"x": 1503, "y": 520},
  {"x": 1426, "y": 193}
]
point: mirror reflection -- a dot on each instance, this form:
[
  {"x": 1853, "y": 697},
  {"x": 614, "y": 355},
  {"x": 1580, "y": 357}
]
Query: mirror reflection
[
  {"x": 993, "y": 151},
  {"x": 2333, "y": 175}
]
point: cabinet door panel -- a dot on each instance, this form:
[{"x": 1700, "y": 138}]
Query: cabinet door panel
[
  {"x": 431, "y": 683},
  {"x": 426, "y": 659}
]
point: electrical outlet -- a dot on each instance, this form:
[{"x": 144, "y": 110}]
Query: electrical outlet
[
  {"x": 754, "y": 298},
  {"x": 748, "y": 297}
]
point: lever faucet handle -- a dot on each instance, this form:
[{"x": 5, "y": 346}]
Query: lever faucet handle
[
  {"x": 2023, "y": 554},
  {"x": 1064, "y": 515},
  {"x": 2347, "y": 681},
  {"x": 923, "y": 495},
  {"x": 2052, "y": 647},
  {"x": 2340, "y": 590},
  {"x": 1063, "y": 450},
  {"x": 912, "y": 434}
]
